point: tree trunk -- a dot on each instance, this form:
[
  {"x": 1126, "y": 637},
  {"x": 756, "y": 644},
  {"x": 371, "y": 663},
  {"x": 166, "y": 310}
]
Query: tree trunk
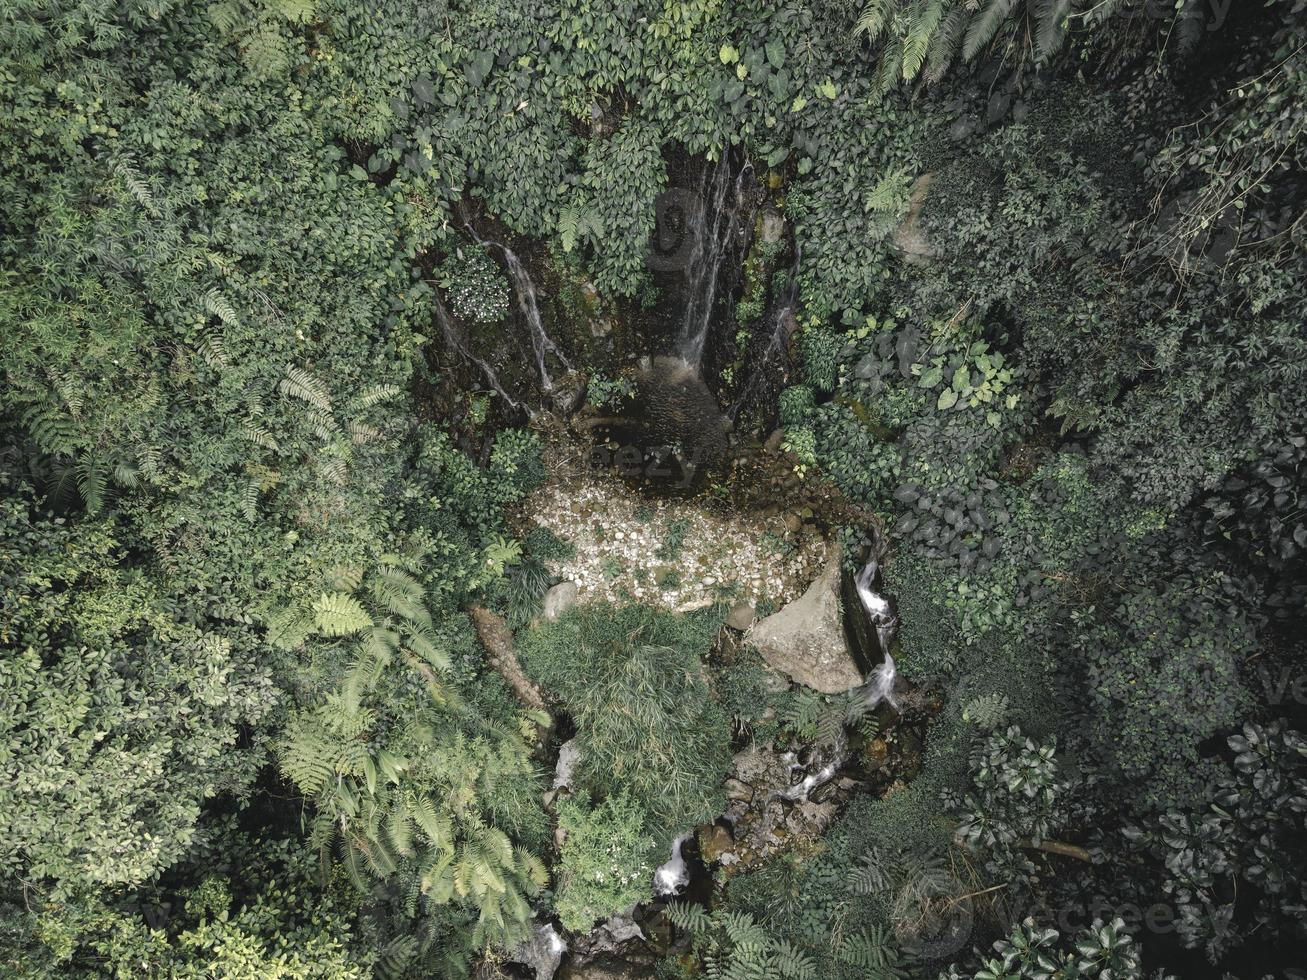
[{"x": 497, "y": 639}]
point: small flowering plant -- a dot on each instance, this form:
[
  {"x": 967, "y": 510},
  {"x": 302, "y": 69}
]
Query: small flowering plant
[
  {"x": 475, "y": 285},
  {"x": 608, "y": 859}
]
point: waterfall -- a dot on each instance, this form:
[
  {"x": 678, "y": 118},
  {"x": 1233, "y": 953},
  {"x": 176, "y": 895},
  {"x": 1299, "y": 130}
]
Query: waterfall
[
  {"x": 542, "y": 953},
  {"x": 880, "y": 685},
  {"x": 673, "y": 875},
  {"x": 781, "y": 315},
  {"x": 525, "y": 291},
  {"x": 526, "y": 302},
  {"x": 716, "y": 226},
  {"x": 455, "y": 342},
  {"x": 802, "y": 790}
]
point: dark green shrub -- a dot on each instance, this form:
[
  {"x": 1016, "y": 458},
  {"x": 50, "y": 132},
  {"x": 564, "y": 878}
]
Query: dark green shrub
[{"x": 795, "y": 405}]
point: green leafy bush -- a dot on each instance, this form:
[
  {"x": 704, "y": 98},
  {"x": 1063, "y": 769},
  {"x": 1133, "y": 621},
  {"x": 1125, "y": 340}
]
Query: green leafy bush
[
  {"x": 608, "y": 859},
  {"x": 820, "y": 349},
  {"x": 795, "y": 404}
]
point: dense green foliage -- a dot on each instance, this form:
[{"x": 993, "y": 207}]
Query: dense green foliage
[{"x": 264, "y": 422}]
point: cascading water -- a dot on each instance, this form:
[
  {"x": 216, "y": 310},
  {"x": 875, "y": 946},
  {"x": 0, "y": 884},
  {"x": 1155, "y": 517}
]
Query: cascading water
[
  {"x": 674, "y": 874},
  {"x": 880, "y": 685},
  {"x": 781, "y": 317},
  {"x": 530, "y": 307},
  {"x": 455, "y": 342},
  {"x": 716, "y": 228},
  {"x": 542, "y": 953},
  {"x": 803, "y": 789},
  {"x": 527, "y": 302}
]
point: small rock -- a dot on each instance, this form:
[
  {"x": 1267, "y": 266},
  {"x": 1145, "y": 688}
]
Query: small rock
[
  {"x": 559, "y": 599},
  {"x": 736, "y": 790},
  {"x": 714, "y": 841},
  {"x": 773, "y": 443},
  {"x": 772, "y": 226},
  {"x": 741, "y": 617}
]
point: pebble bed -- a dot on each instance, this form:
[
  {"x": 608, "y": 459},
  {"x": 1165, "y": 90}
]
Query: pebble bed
[{"x": 626, "y": 546}]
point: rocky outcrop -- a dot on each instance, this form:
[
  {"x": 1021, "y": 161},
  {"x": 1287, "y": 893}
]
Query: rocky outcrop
[{"x": 805, "y": 640}]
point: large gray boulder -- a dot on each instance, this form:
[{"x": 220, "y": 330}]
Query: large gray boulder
[
  {"x": 559, "y": 599},
  {"x": 805, "y": 640}
]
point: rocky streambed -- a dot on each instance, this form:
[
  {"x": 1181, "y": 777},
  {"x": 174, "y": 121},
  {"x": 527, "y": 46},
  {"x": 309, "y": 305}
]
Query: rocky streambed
[{"x": 761, "y": 541}]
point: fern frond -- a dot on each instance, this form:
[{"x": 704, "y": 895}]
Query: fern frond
[
  {"x": 338, "y": 614},
  {"x": 688, "y": 917},
  {"x": 298, "y": 383},
  {"x": 258, "y": 435},
  {"x": 793, "y": 962},
  {"x": 875, "y": 17},
  {"x": 136, "y": 184},
  {"x": 1050, "y": 18},
  {"x": 398, "y": 958},
  {"x": 211, "y": 350},
  {"x": 437, "y": 877},
  {"x": 343, "y": 578},
  {"x": 376, "y": 394},
  {"x": 54, "y": 431},
  {"x": 869, "y": 876},
  {"x": 984, "y": 25},
  {"x": 400, "y": 831},
  {"x": 335, "y": 469},
  {"x": 298, "y": 11},
  {"x": 531, "y": 870},
  {"x": 288, "y": 628},
  {"x": 250, "y": 499},
  {"x": 224, "y": 16},
  {"x": 920, "y": 34},
  {"x": 361, "y": 433},
  {"x": 307, "y": 762},
  {"x": 568, "y": 219},
  {"x": 868, "y": 949},
  {"x": 888, "y": 69},
  {"x": 435, "y": 825},
  {"x": 92, "y": 482},
  {"x": 216, "y": 304},
  {"x": 399, "y": 592},
  {"x": 944, "y": 44}
]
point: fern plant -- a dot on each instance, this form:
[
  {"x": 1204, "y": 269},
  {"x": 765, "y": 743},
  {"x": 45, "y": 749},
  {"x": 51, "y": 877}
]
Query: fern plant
[
  {"x": 930, "y": 34},
  {"x": 730, "y": 944},
  {"x": 398, "y": 782}
]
